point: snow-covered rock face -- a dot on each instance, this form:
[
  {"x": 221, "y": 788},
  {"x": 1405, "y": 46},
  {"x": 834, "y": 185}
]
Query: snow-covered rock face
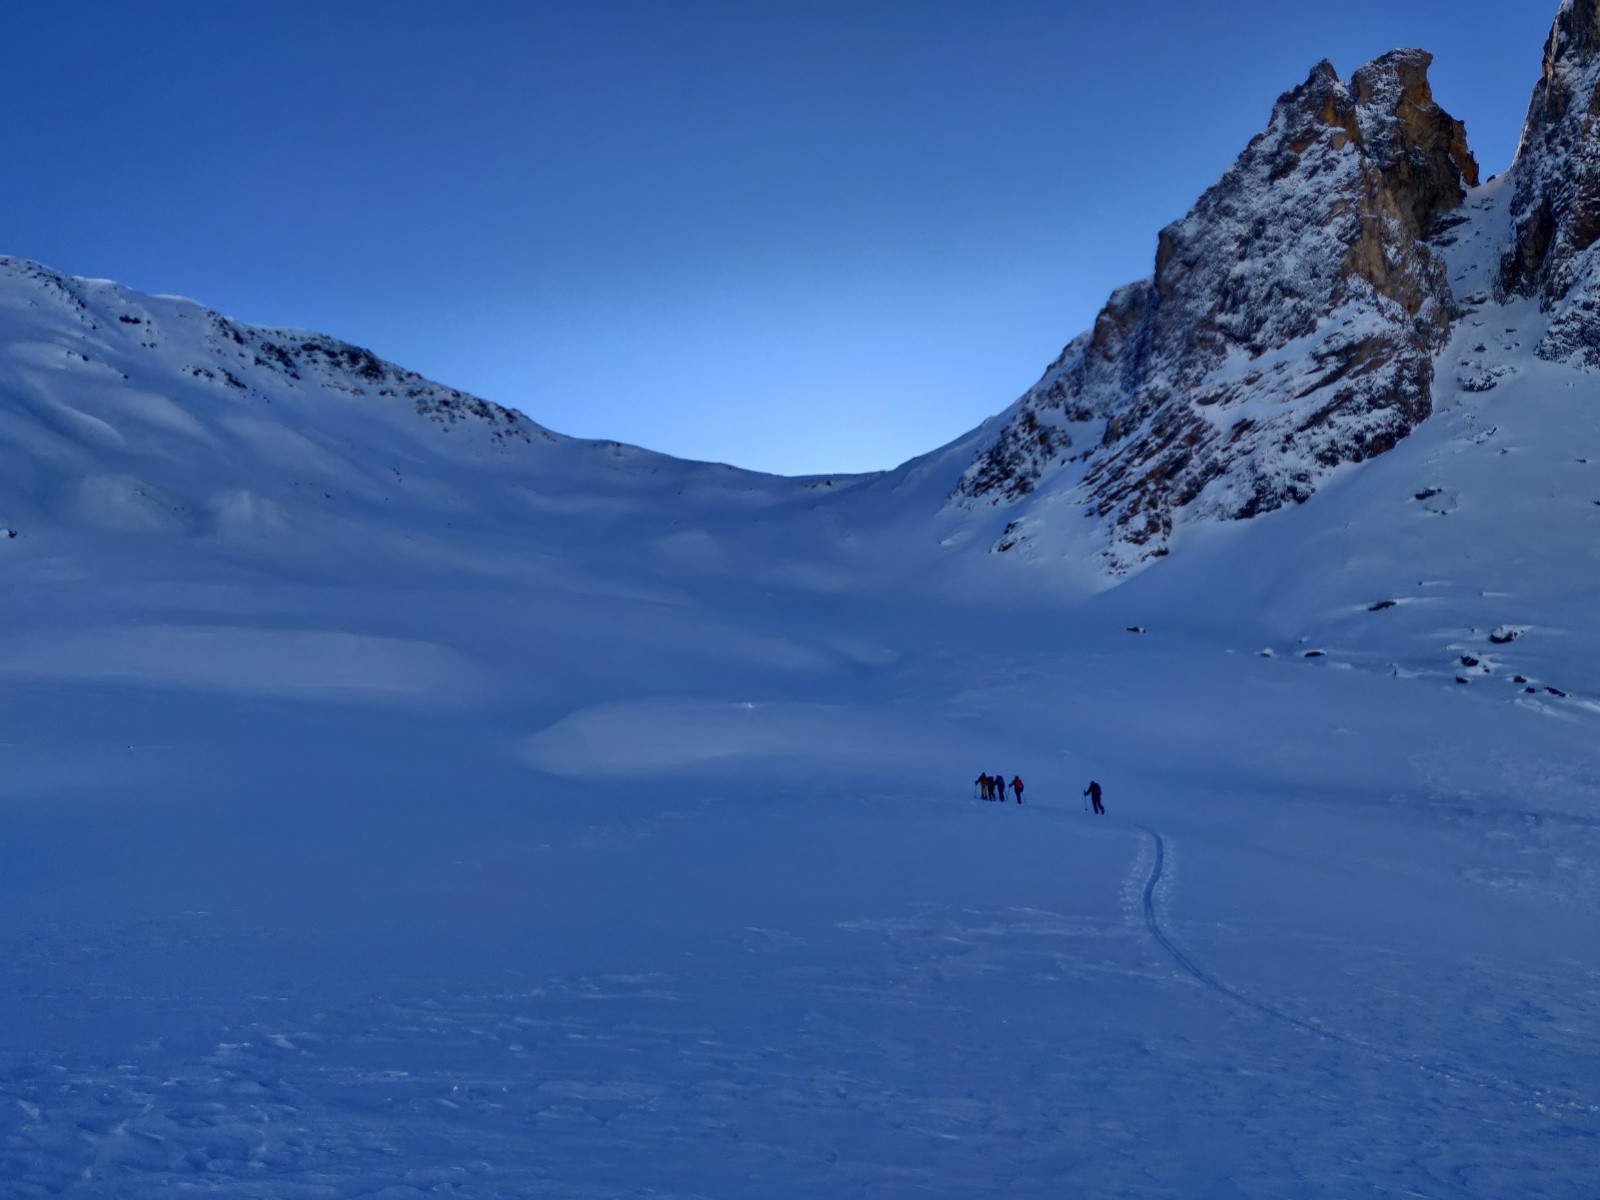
[
  {"x": 1290, "y": 327},
  {"x": 1555, "y": 209}
]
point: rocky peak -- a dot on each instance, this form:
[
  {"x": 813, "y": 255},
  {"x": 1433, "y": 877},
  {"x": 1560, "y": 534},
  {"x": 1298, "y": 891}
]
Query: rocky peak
[
  {"x": 1290, "y": 326},
  {"x": 1321, "y": 102},
  {"x": 1420, "y": 149},
  {"x": 1555, "y": 206},
  {"x": 1575, "y": 33}
]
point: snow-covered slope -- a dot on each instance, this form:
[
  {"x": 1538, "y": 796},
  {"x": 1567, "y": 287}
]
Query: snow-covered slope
[
  {"x": 400, "y": 800},
  {"x": 138, "y": 414}
]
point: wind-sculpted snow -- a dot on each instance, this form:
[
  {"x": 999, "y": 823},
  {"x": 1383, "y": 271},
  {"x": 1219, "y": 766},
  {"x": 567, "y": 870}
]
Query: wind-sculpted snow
[
  {"x": 315, "y": 665},
  {"x": 1290, "y": 326},
  {"x": 663, "y": 735}
]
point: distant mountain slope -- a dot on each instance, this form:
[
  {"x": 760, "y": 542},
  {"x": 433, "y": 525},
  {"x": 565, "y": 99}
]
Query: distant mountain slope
[
  {"x": 129, "y": 412},
  {"x": 125, "y": 413}
]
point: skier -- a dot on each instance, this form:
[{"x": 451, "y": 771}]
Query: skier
[
  {"x": 1016, "y": 786},
  {"x": 1093, "y": 792},
  {"x": 999, "y": 784},
  {"x": 982, "y": 784}
]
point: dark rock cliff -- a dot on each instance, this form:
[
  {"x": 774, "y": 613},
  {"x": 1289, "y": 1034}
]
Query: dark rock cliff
[{"x": 1555, "y": 207}]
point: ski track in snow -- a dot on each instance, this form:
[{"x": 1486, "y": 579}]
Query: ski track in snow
[
  {"x": 874, "y": 1075},
  {"x": 1155, "y": 886}
]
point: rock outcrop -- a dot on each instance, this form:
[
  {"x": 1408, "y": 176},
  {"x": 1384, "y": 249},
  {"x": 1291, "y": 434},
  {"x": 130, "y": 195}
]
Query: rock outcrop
[
  {"x": 1290, "y": 326},
  {"x": 1420, "y": 149},
  {"x": 1555, "y": 207}
]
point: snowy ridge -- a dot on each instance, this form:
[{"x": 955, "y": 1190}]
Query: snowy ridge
[
  {"x": 134, "y": 414},
  {"x": 129, "y": 412},
  {"x": 223, "y": 350}
]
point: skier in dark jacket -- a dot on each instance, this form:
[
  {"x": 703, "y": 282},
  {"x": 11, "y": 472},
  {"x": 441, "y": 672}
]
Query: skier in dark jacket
[
  {"x": 1093, "y": 792},
  {"x": 1016, "y": 786}
]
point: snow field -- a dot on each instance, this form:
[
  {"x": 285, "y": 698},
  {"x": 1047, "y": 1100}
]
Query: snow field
[{"x": 519, "y": 940}]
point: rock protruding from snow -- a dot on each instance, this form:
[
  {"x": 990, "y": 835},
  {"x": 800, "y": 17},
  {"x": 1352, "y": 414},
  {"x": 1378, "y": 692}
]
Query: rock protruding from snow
[
  {"x": 1555, "y": 208},
  {"x": 1290, "y": 326},
  {"x": 1420, "y": 149}
]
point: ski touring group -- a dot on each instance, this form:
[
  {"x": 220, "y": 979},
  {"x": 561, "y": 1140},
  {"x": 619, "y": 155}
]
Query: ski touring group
[{"x": 993, "y": 787}]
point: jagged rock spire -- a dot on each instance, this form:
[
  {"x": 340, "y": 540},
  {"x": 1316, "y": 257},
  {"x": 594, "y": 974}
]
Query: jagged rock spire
[
  {"x": 1290, "y": 325},
  {"x": 1420, "y": 149},
  {"x": 1577, "y": 29},
  {"x": 1556, "y": 206}
]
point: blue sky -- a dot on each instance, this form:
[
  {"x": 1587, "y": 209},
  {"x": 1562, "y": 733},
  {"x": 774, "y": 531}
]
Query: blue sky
[{"x": 796, "y": 236}]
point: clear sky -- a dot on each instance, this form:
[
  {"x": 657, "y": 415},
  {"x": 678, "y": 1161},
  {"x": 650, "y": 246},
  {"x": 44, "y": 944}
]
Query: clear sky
[{"x": 795, "y": 235}]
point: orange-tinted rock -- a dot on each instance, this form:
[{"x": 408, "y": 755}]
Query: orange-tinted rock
[
  {"x": 1420, "y": 149},
  {"x": 1290, "y": 325}
]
